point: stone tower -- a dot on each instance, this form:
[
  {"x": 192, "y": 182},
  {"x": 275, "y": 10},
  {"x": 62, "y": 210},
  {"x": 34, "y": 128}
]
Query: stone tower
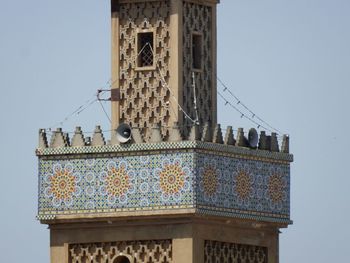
[
  {"x": 179, "y": 191},
  {"x": 159, "y": 50}
]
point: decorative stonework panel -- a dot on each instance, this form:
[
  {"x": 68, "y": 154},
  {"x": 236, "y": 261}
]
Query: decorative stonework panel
[
  {"x": 116, "y": 183},
  {"x": 197, "y": 19},
  {"x": 143, "y": 97},
  {"x": 136, "y": 251},
  {"x": 240, "y": 185},
  {"x": 220, "y": 252}
]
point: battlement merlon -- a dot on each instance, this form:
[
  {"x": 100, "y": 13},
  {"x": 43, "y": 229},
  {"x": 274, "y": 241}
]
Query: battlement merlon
[{"x": 197, "y": 177}]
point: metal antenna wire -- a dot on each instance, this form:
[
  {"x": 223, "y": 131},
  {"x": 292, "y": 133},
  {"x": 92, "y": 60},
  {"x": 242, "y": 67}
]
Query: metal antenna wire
[{"x": 239, "y": 102}]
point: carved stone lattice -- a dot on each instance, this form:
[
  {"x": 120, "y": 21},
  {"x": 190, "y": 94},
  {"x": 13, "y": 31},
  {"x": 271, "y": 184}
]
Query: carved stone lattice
[
  {"x": 197, "y": 19},
  {"x": 221, "y": 252},
  {"x": 135, "y": 251},
  {"x": 143, "y": 97}
]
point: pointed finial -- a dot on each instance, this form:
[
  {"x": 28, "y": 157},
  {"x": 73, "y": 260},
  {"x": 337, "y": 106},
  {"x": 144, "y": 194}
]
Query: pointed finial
[
  {"x": 97, "y": 138},
  {"x": 42, "y": 139},
  {"x": 57, "y": 139},
  {"x": 241, "y": 141},
  {"x": 274, "y": 142},
  {"x": 206, "y": 135},
  {"x": 78, "y": 138},
  {"x": 263, "y": 141},
  {"x": 285, "y": 144},
  {"x": 229, "y": 138},
  {"x": 217, "y": 136}
]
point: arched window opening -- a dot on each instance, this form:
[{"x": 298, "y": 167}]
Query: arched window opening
[{"x": 121, "y": 259}]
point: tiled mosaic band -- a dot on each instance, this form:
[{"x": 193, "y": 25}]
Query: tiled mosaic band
[{"x": 208, "y": 179}]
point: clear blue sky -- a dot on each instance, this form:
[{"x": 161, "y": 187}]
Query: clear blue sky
[{"x": 288, "y": 60}]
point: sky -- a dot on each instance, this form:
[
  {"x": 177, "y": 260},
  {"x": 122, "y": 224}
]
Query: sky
[{"x": 289, "y": 61}]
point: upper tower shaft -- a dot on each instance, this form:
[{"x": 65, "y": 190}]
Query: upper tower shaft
[{"x": 163, "y": 60}]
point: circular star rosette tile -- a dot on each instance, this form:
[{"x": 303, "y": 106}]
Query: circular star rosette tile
[
  {"x": 209, "y": 180},
  {"x": 276, "y": 189},
  {"x": 172, "y": 181},
  {"x": 243, "y": 184},
  {"x": 118, "y": 181},
  {"x": 62, "y": 185}
]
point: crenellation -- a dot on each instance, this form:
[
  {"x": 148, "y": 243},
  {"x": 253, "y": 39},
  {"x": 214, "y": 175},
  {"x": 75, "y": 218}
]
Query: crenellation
[
  {"x": 78, "y": 138},
  {"x": 263, "y": 141},
  {"x": 206, "y": 134},
  {"x": 285, "y": 144},
  {"x": 42, "y": 139},
  {"x": 241, "y": 141},
  {"x": 268, "y": 142},
  {"x": 274, "y": 143},
  {"x": 61, "y": 139},
  {"x": 229, "y": 138},
  {"x": 58, "y": 139},
  {"x": 98, "y": 138},
  {"x": 217, "y": 136}
]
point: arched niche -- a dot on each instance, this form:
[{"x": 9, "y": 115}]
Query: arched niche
[{"x": 121, "y": 259}]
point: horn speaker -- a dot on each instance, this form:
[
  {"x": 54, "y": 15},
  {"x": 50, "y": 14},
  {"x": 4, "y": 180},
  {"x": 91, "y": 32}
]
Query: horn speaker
[{"x": 123, "y": 133}]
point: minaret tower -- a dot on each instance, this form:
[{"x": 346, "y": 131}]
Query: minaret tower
[
  {"x": 164, "y": 52},
  {"x": 168, "y": 187}
]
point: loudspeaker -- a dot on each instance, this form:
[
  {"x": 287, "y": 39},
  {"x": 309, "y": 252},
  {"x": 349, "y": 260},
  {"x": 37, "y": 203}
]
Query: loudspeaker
[
  {"x": 123, "y": 133},
  {"x": 253, "y": 138}
]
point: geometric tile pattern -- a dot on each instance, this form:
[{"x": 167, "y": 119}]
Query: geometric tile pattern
[
  {"x": 221, "y": 252},
  {"x": 212, "y": 184},
  {"x": 119, "y": 182},
  {"x": 243, "y": 184}
]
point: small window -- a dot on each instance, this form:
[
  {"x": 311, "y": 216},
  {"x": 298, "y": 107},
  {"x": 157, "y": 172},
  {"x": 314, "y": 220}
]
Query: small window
[
  {"x": 197, "y": 51},
  {"x": 145, "y": 49}
]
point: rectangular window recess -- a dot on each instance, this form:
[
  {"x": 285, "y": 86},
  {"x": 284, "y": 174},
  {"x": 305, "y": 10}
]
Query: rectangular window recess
[
  {"x": 145, "y": 49},
  {"x": 197, "y": 51}
]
